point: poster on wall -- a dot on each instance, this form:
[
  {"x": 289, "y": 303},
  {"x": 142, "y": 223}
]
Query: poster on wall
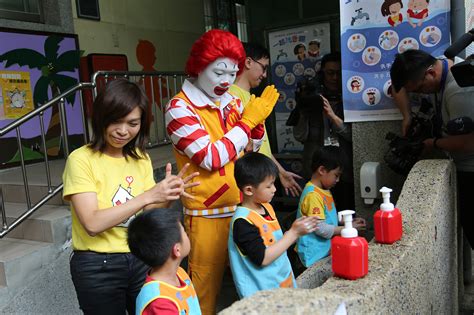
[
  {"x": 15, "y": 94},
  {"x": 371, "y": 35},
  {"x": 294, "y": 53},
  {"x": 35, "y": 67}
]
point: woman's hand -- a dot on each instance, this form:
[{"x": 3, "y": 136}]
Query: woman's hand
[
  {"x": 188, "y": 183},
  {"x": 169, "y": 189}
]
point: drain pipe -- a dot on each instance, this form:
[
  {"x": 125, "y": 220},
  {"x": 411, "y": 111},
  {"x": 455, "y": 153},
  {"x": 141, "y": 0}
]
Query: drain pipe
[{"x": 458, "y": 22}]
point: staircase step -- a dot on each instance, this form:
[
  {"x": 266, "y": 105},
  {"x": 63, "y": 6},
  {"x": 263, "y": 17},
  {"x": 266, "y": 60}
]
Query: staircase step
[
  {"x": 50, "y": 223},
  {"x": 16, "y": 193},
  {"x": 21, "y": 260}
]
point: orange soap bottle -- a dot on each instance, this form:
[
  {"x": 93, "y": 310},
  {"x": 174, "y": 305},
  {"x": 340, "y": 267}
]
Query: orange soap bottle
[
  {"x": 387, "y": 221},
  {"x": 350, "y": 252}
]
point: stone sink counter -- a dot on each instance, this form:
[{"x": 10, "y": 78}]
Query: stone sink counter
[{"x": 418, "y": 274}]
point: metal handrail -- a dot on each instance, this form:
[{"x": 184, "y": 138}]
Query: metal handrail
[
  {"x": 60, "y": 100},
  {"x": 38, "y": 112},
  {"x": 45, "y": 106}
]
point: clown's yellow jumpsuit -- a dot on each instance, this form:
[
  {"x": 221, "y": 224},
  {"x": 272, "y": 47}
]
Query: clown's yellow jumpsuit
[{"x": 205, "y": 135}]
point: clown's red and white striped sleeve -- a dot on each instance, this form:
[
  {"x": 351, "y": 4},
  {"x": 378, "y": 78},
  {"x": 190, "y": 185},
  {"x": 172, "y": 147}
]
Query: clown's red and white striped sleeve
[{"x": 189, "y": 137}]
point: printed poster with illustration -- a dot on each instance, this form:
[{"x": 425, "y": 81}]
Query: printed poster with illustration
[
  {"x": 15, "y": 94},
  {"x": 294, "y": 53},
  {"x": 371, "y": 35}
]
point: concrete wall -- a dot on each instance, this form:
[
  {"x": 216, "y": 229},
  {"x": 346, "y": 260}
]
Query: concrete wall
[
  {"x": 369, "y": 145},
  {"x": 171, "y": 25},
  {"x": 417, "y": 275},
  {"x": 57, "y": 16}
]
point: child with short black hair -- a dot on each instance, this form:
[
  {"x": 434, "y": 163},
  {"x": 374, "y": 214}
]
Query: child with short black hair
[
  {"x": 257, "y": 245},
  {"x": 157, "y": 237},
  {"x": 317, "y": 201}
]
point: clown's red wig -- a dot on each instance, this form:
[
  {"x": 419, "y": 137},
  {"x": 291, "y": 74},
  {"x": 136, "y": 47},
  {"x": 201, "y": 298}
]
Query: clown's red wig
[{"x": 212, "y": 45}]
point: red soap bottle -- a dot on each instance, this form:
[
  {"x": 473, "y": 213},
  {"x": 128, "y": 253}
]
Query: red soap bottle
[
  {"x": 350, "y": 253},
  {"x": 387, "y": 221}
]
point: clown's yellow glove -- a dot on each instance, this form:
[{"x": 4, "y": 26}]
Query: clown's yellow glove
[{"x": 258, "y": 108}]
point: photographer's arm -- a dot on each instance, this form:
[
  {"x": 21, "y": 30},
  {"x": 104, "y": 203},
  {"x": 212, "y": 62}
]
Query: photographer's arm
[
  {"x": 460, "y": 143},
  {"x": 403, "y": 103},
  {"x": 342, "y": 128}
]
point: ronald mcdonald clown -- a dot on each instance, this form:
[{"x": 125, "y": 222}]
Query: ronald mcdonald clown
[{"x": 210, "y": 129}]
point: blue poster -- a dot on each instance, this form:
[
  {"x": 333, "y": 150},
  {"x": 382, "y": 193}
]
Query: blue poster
[{"x": 372, "y": 32}]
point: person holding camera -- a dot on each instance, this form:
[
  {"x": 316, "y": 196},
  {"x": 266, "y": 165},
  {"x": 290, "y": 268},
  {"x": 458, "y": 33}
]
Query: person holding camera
[
  {"x": 418, "y": 71},
  {"x": 321, "y": 100}
]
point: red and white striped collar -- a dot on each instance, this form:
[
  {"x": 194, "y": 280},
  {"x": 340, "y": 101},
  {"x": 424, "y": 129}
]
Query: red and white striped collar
[{"x": 199, "y": 99}]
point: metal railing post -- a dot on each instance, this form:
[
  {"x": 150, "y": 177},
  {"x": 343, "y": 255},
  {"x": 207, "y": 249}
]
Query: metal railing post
[
  {"x": 4, "y": 214},
  {"x": 63, "y": 122},
  {"x": 23, "y": 167},
  {"x": 43, "y": 143}
]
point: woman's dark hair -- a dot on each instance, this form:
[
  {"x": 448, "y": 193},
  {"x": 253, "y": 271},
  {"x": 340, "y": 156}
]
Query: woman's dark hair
[
  {"x": 329, "y": 157},
  {"x": 385, "y": 8},
  {"x": 152, "y": 235},
  {"x": 115, "y": 101},
  {"x": 253, "y": 168}
]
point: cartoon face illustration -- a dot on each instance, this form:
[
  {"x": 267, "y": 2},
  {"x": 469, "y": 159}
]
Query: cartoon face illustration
[
  {"x": 313, "y": 48},
  {"x": 391, "y": 8},
  {"x": 17, "y": 98},
  {"x": 417, "y": 12},
  {"x": 290, "y": 103},
  {"x": 371, "y": 96},
  {"x": 282, "y": 96},
  {"x": 355, "y": 84},
  {"x": 418, "y": 5},
  {"x": 300, "y": 51}
]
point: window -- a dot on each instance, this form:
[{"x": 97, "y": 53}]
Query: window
[
  {"x": 227, "y": 15},
  {"x": 21, "y": 10},
  {"x": 241, "y": 22}
]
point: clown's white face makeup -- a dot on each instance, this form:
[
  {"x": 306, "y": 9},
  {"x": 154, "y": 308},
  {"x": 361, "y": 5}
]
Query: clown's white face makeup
[{"x": 217, "y": 77}]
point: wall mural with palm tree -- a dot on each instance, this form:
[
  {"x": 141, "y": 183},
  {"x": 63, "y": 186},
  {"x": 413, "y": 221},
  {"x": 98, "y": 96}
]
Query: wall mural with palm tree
[{"x": 50, "y": 62}]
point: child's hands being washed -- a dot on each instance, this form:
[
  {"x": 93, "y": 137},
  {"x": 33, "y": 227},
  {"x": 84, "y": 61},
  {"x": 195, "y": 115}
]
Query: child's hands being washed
[
  {"x": 304, "y": 225},
  {"x": 359, "y": 224}
]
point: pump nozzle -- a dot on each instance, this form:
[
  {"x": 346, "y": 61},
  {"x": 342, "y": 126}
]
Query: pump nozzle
[
  {"x": 348, "y": 231},
  {"x": 386, "y": 205}
]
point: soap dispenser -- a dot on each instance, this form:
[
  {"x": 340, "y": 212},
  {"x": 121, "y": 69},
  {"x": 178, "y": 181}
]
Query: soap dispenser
[
  {"x": 387, "y": 220},
  {"x": 350, "y": 252}
]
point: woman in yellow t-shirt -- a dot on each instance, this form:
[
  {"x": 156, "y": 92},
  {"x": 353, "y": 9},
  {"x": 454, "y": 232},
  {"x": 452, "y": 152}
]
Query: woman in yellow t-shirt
[{"x": 107, "y": 182}]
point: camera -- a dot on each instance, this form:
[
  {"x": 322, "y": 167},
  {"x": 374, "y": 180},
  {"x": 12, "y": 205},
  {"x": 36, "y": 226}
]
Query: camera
[
  {"x": 463, "y": 72},
  {"x": 404, "y": 152}
]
